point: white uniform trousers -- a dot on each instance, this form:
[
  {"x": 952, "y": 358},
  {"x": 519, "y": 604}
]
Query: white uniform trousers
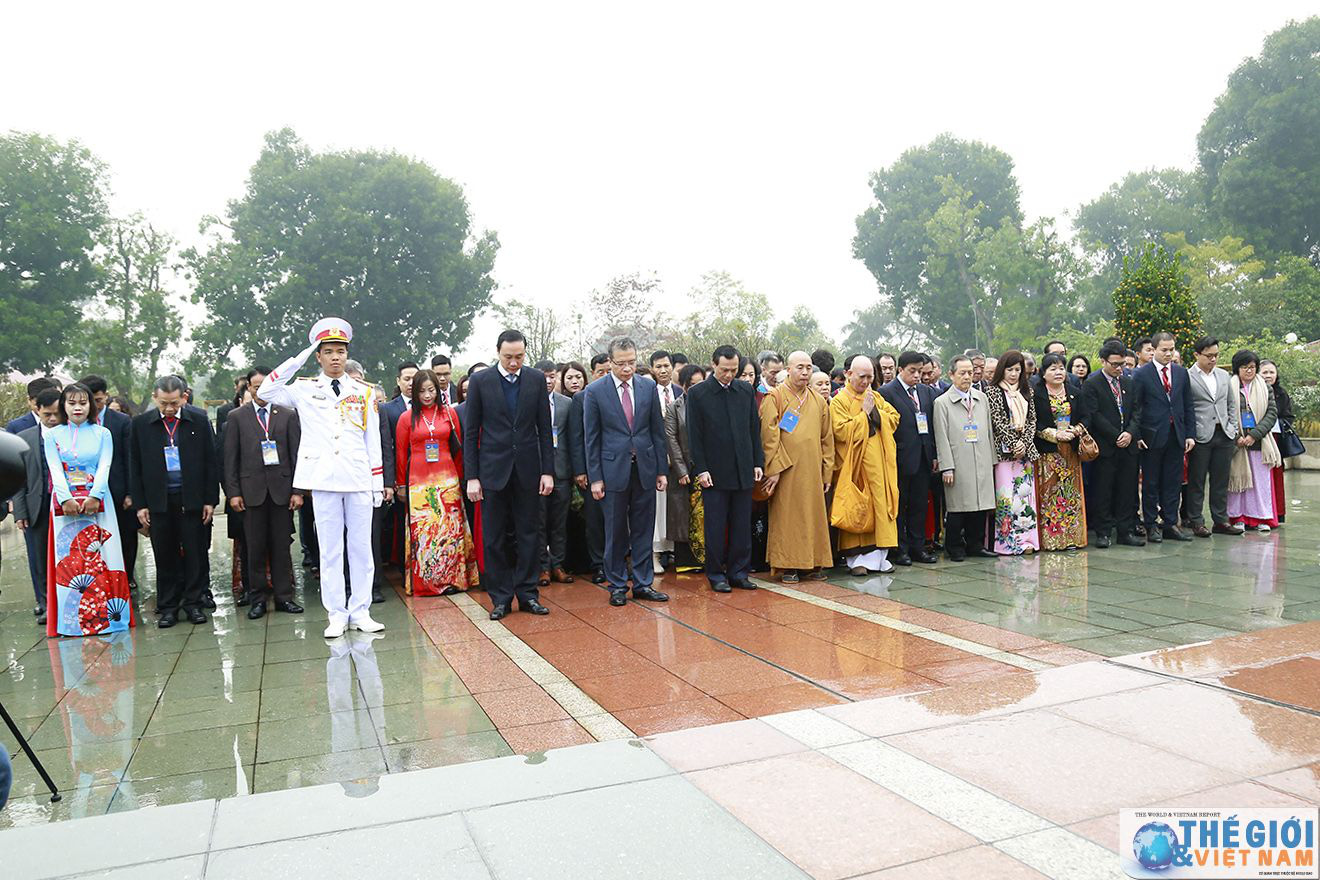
[
  {"x": 663, "y": 543},
  {"x": 335, "y": 512}
]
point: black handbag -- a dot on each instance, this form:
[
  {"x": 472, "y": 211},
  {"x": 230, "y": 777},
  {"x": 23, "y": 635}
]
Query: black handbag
[{"x": 1289, "y": 443}]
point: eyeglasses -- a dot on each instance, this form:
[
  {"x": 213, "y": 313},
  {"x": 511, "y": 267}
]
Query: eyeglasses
[{"x": 622, "y": 364}]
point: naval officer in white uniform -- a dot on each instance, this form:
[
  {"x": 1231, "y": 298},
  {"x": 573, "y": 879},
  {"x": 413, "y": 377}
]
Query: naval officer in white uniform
[{"x": 340, "y": 462}]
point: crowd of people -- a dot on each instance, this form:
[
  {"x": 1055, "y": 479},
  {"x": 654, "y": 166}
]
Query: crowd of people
[{"x": 513, "y": 476}]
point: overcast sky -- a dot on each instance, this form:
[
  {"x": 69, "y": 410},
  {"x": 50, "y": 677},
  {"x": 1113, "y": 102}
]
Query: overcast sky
[{"x": 598, "y": 139}]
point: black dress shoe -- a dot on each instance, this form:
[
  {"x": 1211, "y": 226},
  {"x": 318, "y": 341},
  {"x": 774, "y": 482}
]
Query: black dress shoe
[
  {"x": 955, "y": 556},
  {"x": 167, "y": 620},
  {"x": 307, "y": 561},
  {"x": 377, "y": 596},
  {"x": 739, "y": 584},
  {"x": 289, "y": 607},
  {"x": 195, "y": 616},
  {"x": 1154, "y": 536},
  {"x": 241, "y": 600},
  {"x": 41, "y": 617},
  {"x": 38, "y": 611},
  {"x": 598, "y": 577},
  {"x": 533, "y": 607},
  {"x": 982, "y": 553},
  {"x": 649, "y": 594},
  {"x": 208, "y": 601},
  {"x": 901, "y": 559},
  {"x": 1102, "y": 541},
  {"x": 1132, "y": 540},
  {"x": 450, "y": 590},
  {"x": 1139, "y": 530},
  {"x": 924, "y": 558},
  {"x": 721, "y": 587},
  {"x": 1173, "y": 533},
  {"x": 257, "y": 611},
  {"x": 618, "y": 598},
  {"x": 500, "y": 611}
]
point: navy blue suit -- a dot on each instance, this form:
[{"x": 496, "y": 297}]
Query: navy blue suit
[
  {"x": 1163, "y": 421},
  {"x": 22, "y": 423},
  {"x": 120, "y": 426},
  {"x": 916, "y": 459},
  {"x": 627, "y": 460}
]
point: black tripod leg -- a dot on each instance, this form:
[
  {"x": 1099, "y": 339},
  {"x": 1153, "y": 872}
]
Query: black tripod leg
[{"x": 55, "y": 796}]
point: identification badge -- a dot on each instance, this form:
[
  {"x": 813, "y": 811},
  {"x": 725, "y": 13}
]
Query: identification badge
[
  {"x": 270, "y": 453},
  {"x": 789, "y": 422},
  {"x": 554, "y": 435},
  {"x": 1063, "y": 423},
  {"x": 172, "y": 459},
  {"x": 76, "y": 476},
  {"x": 969, "y": 433},
  {"x": 1248, "y": 419},
  {"x": 922, "y": 426},
  {"x": 432, "y": 451}
]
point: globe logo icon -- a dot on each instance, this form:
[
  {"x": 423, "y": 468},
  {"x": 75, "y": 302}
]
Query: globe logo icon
[{"x": 1153, "y": 845}]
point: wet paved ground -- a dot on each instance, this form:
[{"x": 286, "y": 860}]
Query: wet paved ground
[{"x": 237, "y": 707}]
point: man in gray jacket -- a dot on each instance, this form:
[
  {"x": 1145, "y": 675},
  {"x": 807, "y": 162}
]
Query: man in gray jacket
[
  {"x": 1216, "y": 411},
  {"x": 554, "y": 544}
]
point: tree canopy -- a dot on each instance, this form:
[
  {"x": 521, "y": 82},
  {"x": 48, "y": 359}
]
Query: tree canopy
[{"x": 376, "y": 237}]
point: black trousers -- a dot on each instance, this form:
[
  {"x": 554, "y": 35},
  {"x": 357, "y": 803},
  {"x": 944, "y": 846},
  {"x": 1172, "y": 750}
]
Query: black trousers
[
  {"x": 1114, "y": 493},
  {"x": 35, "y": 538},
  {"x": 268, "y": 535},
  {"x": 554, "y": 546},
  {"x": 1213, "y": 460},
  {"x": 728, "y": 534},
  {"x": 379, "y": 515},
  {"x": 311, "y": 547},
  {"x": 510, "y": 536},
  {"x": 128, "y": 538},
  {"x": 1161, "y": 483},
  {"x": 913, "y": 490},
  {"x": 178, "y": 543},
  {"x": 594, "y": 513},
  {"x": 964, "y": 530}
]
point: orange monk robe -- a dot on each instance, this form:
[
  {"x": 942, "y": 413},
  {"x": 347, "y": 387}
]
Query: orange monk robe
[
  {"x": 804, "y": 460},
  {"x": 879, "y": 465}
]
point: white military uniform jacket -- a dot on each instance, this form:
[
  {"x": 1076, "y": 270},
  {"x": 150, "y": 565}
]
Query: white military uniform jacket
[{"x": 340, "y": 448}]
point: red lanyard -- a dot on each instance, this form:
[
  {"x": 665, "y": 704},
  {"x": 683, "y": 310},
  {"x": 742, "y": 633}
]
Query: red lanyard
[{"x": 171, "y": 431}]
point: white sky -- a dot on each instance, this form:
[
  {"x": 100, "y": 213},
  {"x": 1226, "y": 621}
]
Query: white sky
[{"x": 602, "y": 138}]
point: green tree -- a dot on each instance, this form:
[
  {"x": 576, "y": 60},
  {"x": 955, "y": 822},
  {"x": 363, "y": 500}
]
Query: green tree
[
  {"x": 1138, "y": 210},
  {"x": 376, "y": 237},
  {"x": 540, "y": 326},
  {"x": 801, "y": 332},
  {"x": 1259, "y": 148},
  {"x": 52, "y": 205},
  {"x": 1155, "y": 296},
  {"x": 134, "y": 318},
  {"x": 932, "y": 207},
  {"x": 1030, "y": 277},
  {"x": 726, "y": 313},
  {"x": 877, "y": 328}
]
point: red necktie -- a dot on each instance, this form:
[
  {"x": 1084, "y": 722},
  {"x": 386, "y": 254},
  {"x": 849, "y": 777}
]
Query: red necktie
[
  {"x": 627, "y": 406},
  {"x": 1164, "y": 375}
]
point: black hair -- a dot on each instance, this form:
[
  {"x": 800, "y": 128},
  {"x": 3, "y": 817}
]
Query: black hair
[
  {"x": 1203, "y": 343},
  {"x": 170, "y": 384},
  {"x": 687, "y": 371},
  {"x": 1244, "y": 357},
  {"x": 1163, "y": 335},
  {"x": 678, "y": 358},
  {"x": 1079, "y": 357},
  {"x": 599, "y": 358},
  {"x": 441, "y": 360},
  {"x": 1057, "y": 342},
  {"x": 724, "y": 352},
  {"x": 1113, "y": 347},
  {"x": 95, "y": 384},
  {"x": 546, "y": 366},
  {"x": 823, "y": 360},
  {"x": 406, "y": 365},
  {"x": 415, "y": 404},
  {"x": 908, "y": 358},
  {"x": 837, "y": 374},
  {"x": 661, "y": 355},
  {"x": 1050, "y": 360},
  {"x": 259, "y": 370},
  {"x": 478, "y": 366},
  {"x": 1007, "y": 361},
  {"x": 1142, "y": 343},
  {"x": 572, "y": 365},
  {"x": 509, "y": 336},
  {"x": 69, "y": 391},
  {"x": 46, "y": 396},
  {"x": 39, "y": 384}
]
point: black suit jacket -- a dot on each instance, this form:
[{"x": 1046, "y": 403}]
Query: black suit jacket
[
  {"x": 1045, "y": 418},
  {"x": 498, "y": 448},
  {"x": 916, "y": 451},
  {"x": 120, "y": 427},
  {"x": 197, "y": 457},
  {"x": 1163, "y": 416},
  {"x": 245, "y": 474},
  {"x": 1105, "y": 422},
  {"x": 724, "y": 433},
  {"x": 575, "y": 434},
  {"x": 33, "y": 500}
]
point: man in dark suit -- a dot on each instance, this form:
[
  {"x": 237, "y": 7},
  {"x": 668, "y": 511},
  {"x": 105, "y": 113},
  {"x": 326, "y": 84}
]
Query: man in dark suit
[
  {"x": 627, "y": 465},
  {"x": 724, "y": 439},
  {"x": 261, "y": 447},
  {"x": 32, "y": 503},
  {"x": 592, "y": 510},
  {"x": 223, "y": 410},
  {"x": 1107, "y": 393},
  {"x": 916, "y": 455},
  {"x": 554, "y": 546},
  {"x": 29, "y": 419},
  {"x": 1161, "y": 394},
  {"x": 175, "y": 479},
  {"x": 509, "y": 459},
  {"x": 120, "y": 427},
  {"x": 392, "y": 517}
]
